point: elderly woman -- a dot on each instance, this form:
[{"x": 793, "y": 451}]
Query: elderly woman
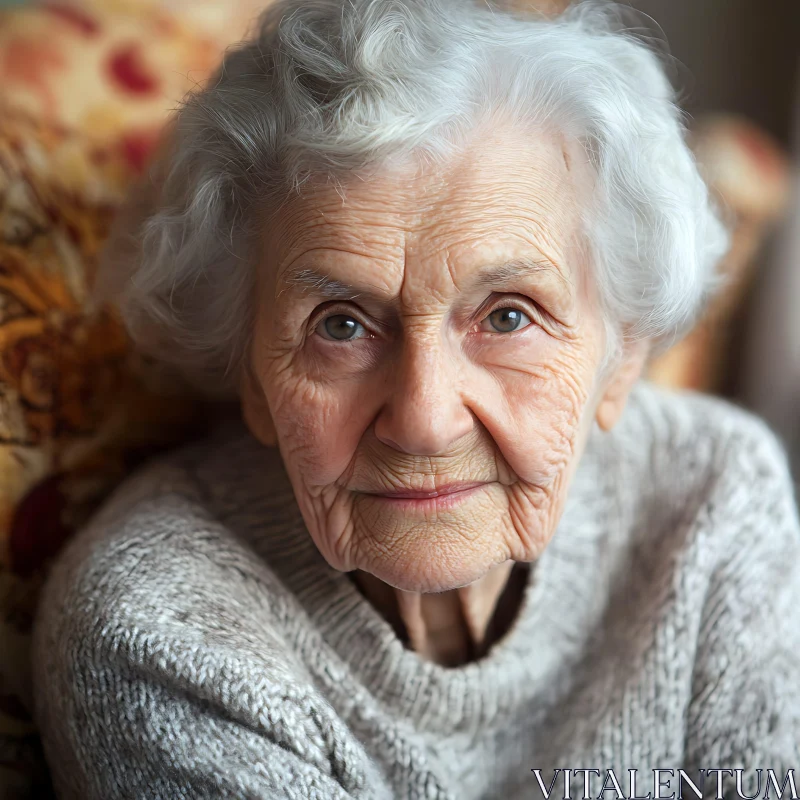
[{"x": 457, "y": 551}]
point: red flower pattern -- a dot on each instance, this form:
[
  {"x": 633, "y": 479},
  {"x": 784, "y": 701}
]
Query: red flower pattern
[{"x": 129, "y": 71}]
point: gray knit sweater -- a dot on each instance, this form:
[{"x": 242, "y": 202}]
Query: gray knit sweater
[{"x": 192, "y": 643}]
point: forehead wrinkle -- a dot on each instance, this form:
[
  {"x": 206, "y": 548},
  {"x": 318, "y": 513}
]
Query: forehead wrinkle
[{"x": 349, "y": 237}]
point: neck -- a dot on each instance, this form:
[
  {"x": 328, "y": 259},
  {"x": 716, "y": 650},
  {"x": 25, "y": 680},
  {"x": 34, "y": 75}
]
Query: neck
[{"x": 449, "y": 628}]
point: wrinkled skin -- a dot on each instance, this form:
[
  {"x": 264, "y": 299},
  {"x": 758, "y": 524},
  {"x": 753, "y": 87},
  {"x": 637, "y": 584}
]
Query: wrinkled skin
[{"x": 428, "y": 392}]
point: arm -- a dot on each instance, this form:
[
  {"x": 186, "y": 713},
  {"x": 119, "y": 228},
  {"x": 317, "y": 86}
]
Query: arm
[
  {"x": 127, "y": 739},
  {"x": 161, "y": 672}
]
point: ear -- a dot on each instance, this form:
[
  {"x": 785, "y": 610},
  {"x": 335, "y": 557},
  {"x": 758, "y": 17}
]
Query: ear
[
  {"x": 255, "y": 409},
  {"x": 620, "y": 383}
]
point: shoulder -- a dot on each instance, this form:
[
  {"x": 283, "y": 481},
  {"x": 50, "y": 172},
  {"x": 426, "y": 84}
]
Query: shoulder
[
  {"x": 684, "y": 440},
  {"x": 694, "y": 479},
  {"x": 163, "y": 552},
  {"x": 159, "y": 584},
  {"x": 167, "y": 528},
  {"x": 671, "y": 420}
]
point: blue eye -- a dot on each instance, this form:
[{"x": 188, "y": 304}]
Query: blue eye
[
  {"x": 340, "y": 328},
  {"x": 506, "y": 320}
]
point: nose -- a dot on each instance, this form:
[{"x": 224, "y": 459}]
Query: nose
[{"x": 425, "y": 412}]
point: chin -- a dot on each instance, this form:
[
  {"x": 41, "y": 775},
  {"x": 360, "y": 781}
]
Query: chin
[{"x": 428, "y": 572}]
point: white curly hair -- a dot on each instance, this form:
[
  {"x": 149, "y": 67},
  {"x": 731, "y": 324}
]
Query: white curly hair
[{"x": 327, "y": 88}]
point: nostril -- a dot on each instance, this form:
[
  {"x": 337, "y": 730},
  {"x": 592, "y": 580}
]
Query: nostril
[
  {"x": 391, "y": 443},
  {"x": 417, "y": 429}
]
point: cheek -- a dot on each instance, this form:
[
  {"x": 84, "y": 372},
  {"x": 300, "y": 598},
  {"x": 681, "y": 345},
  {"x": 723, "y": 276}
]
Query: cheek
[
  {"x": 537, "y": 410},
  {"x": 319, "y": 425},
  {"x": 319, "y": 414}
]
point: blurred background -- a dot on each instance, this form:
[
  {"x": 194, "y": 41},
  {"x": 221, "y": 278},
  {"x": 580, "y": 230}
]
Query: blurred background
[{"x": 739, "y": 56}]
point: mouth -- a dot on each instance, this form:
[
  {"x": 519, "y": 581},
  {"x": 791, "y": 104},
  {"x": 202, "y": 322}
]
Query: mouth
[{"x": 446, "y": 496}]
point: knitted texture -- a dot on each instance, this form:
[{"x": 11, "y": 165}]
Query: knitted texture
[{"x": 192, "y": 642}]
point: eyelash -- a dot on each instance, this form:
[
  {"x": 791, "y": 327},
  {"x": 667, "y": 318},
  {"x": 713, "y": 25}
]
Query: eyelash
[
  {"x": 529, "y": 308},
  {"x": 332, "y": 310}
]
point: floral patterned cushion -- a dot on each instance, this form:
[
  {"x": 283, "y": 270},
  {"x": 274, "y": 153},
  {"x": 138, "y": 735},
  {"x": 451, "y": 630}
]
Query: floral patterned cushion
[{"x": 86, "y": 88}]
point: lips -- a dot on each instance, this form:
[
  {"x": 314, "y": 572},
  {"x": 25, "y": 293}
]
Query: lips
[{"x": 440, "y": 491}]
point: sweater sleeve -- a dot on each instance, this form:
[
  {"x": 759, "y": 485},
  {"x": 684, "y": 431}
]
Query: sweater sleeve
[
  {"x": 154, "y": 685},
  {"x": 745, "y": 707},
  {"x": 127, "y": 740}
]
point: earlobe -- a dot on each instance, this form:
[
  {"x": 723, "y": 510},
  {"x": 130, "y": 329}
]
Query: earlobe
[
  {"x": 255, "y": 410},
  {"x": 609, "y": 411},
  {"x": 619, "y": 387}
]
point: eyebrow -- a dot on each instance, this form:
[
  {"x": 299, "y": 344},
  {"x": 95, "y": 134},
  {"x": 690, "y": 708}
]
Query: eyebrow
[
  {"x": 518, "y": 268},
  {"x": 322, "y": 285}
]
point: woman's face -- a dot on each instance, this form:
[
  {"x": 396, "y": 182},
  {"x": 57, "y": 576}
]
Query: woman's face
[{"x": 428, "y": 346}]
